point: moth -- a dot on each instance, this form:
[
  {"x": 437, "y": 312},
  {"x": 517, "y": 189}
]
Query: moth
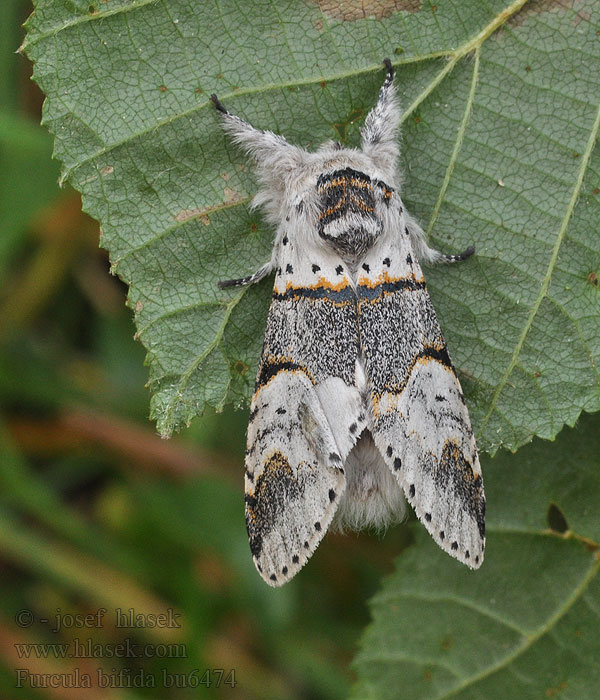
[{"x": 357, "y": 407}]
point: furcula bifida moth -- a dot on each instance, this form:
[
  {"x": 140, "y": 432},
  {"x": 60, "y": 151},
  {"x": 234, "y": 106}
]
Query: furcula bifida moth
[{"x": 357, "y": 407}]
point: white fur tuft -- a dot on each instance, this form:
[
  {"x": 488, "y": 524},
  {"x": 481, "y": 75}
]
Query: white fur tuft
[{"x": 373, "y": 497}]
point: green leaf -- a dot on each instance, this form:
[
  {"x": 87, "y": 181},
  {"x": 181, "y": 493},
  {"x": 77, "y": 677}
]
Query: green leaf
[
  {"x": 526, "y": 624},
  {"x": 500, "y": 125}
]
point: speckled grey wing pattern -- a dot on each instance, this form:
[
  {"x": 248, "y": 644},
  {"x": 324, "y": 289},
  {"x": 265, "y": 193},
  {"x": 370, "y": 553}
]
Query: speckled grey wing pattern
[
  {"x": 306, "y": 412},
  {"x": 420, "y": 422}
]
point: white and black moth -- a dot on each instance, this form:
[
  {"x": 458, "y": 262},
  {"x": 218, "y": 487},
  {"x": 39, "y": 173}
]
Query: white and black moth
[{"x": 356, "y": 404}]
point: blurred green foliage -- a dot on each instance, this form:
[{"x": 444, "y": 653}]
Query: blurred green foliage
[{"x": 96, "y": 510}]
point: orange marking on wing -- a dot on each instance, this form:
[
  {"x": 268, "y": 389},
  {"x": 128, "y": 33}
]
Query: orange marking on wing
[
  {"x": 321, "y": 283},
  {"x": 384, "y": 278}
]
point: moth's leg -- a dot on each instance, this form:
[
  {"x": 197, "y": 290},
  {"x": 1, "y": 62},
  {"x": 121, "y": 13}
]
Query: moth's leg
[
  {"x": 424, "y": 252},
  {"x": 380, "y": 130},
  {"x": 445, "y": 258},
  {"x": 250, "y": 279}
]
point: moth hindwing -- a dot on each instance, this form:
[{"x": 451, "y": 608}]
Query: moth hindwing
[{"x": 357, "y": 407}]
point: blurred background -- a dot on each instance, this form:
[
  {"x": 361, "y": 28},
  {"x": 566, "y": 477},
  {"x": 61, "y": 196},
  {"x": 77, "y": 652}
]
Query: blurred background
[{"x": 98, "y": 515}]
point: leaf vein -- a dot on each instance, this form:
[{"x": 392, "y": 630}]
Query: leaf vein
[
  {"x": 457, "y": 145},
  {"x": 84, "y": 19},
  {"x": 531, "y": 639},
  {"x": 550, "y": 269},
  {"x": 185, "y": 377},
  {"x": 461, "y": 602},
  {"x": 180, "y": 310}
]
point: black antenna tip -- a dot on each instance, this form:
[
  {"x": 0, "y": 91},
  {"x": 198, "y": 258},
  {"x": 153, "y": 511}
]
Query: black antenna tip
[
  {"x": 466, "y": 253},
  {"x": 218, "y": 104},
  {"x": 390, "y": 68}
]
